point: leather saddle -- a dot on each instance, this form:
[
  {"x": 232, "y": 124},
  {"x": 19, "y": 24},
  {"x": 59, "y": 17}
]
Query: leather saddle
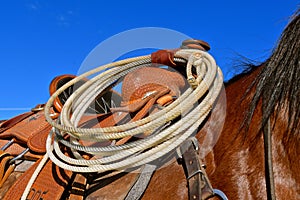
[{"x": 143, "y": 92}]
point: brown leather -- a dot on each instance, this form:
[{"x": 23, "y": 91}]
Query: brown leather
[
  {"x": 9, "y": 182},
  {"x": 54, "y": 85},
  {"x": 59, "y": 81},
  {"x": 16, "y": 149},
  {"x": 78, "y": 187},
  {"x": 164, "y": 100},
  {"x": 37, "y": 142},
  {"x": 193, "y": 46},
  {"x": 13, "y": 121},
  {"x": 164, "y": 57},
  {"x": 16, "y": 190},
  {"x": 196, "y": 44},
  {"x": 198, "y": 185},
  {"x": 7, "y": 124},
  {"x": 147, "y": 79},
  {"x": 141, "y": 89},
  {"x": 31, "y": 131},
  {"x": 2, "y": 121},
  {"x": 6, "y": 168},
  {"x": 50, "y": 183},
  {"x": 23, "y": 129}
]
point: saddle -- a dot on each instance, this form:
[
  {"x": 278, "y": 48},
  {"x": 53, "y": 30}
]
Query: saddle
[{"x": 144, "y": 92}]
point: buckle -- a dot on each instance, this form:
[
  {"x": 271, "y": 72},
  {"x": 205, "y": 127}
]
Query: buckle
[{"x": 220, "y": 194}]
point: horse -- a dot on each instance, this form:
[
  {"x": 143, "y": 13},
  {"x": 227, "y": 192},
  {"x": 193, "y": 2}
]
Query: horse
[
  {"x": 263, "y": 96},
  {"x": 236, "y": 165},
  {"x": 261, "y": 103}
]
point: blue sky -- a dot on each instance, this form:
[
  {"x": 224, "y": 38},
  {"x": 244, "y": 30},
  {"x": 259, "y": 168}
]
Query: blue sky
[{"x": 42, "y": 39}]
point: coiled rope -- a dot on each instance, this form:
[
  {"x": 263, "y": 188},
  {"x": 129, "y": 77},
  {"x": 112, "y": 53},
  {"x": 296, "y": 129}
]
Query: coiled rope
[
  {"x": 163, "y": 138},
  {"x": 206, "y": 86}
]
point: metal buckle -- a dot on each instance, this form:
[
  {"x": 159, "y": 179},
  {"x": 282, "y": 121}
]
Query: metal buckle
[{"x": 220, "y": 194}]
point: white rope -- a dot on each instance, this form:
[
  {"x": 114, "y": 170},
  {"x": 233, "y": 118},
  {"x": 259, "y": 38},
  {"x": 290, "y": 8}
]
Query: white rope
[{"x": 206, "y": 86}]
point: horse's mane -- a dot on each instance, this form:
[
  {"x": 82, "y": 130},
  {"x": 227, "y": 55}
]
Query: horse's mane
[{"x": 278, "y": 83}]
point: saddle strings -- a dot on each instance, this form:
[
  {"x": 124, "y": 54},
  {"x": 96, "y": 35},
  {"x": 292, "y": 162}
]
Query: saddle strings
[{"x": 163, "y": 139}]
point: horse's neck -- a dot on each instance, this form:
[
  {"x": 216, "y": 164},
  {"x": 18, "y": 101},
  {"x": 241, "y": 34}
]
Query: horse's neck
[{"x": 239, "y": 154}]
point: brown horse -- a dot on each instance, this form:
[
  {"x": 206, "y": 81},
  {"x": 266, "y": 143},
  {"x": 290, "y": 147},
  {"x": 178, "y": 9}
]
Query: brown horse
[
  {"x": 237, "y": 163},
  {"x": 264, "y": 97}
]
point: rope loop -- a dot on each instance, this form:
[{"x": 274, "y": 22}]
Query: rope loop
[{"x": 165, "y": 133}]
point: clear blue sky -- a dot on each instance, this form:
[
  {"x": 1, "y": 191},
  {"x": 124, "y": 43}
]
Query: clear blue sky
[{"x": 42, "y": 39}]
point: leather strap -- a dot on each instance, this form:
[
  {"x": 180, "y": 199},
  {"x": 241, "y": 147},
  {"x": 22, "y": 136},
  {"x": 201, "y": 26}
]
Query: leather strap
[
  {"x": 78, "y": 187},
  {"x": 6, "y": 168},
  {"x": 145, "y": 110},
  {"x": 198, "y": 183},
  {"x": 140, "y": 185},
  {"x": 164, "y": 57}
]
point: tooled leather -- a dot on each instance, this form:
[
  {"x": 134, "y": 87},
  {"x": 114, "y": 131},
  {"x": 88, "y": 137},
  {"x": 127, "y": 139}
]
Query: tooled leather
[
  {"x": 31, "y": 131},
  {"x": 20, "y": 183},
  {"x": 16, "y": 149},
  {"x": 50, "y": 183},
  {"x": 37, "y": 142},
  {"x": 137, "y": 83},
  {"x": 13, "y": 121},
  {"x": 140, "y": 103},
  {"x": 27, "y": 127},
  {"x": 141, "y": 89}
]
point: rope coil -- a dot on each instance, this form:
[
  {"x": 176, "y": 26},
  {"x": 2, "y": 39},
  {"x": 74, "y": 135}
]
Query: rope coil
[{"x": 162, "y": 139}]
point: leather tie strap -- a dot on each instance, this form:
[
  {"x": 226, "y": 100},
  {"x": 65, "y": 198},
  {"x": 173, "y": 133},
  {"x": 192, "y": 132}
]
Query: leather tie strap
[
  {"x": 198, "y": 183},
  {"x": 164, "y": 57},
  {"x": 6, "y": 168}
]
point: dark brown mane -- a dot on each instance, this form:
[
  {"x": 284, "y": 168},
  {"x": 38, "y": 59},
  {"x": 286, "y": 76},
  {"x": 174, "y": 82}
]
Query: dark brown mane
[{"x": 278, "y": 83}]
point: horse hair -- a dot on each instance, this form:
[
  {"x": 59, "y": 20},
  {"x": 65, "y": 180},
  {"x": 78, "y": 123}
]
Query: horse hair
[{"x": 278, "y": 83}]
